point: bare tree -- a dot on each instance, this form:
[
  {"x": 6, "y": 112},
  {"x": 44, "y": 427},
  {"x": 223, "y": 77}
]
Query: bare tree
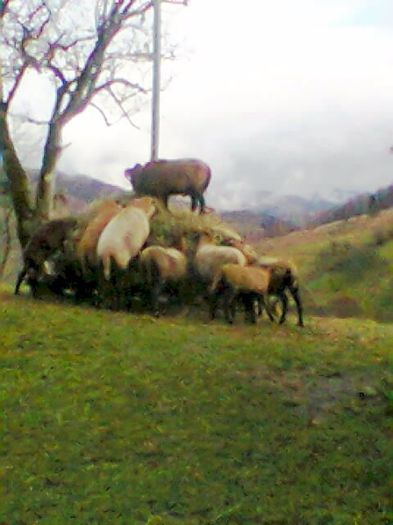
[
  {"x": 87, "y": 50},
  {"x": 6, "y": 237}
]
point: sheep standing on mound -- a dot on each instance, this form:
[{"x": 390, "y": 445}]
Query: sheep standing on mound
[
  {"x": 163, "y": 178},
  {"x": 46, "y": 240},
  {"x": 162, "y": 266}
]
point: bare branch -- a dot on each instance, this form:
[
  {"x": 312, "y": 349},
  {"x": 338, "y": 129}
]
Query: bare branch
[
  {"x": 123, "y": 111},
  {"x": 17, "y": 82},
  {"x": 3, "y": 7},
  {"x": 102, "y": 113},
  {"x": 28, "y": 120},
  {"x": 121, "y": 81}
]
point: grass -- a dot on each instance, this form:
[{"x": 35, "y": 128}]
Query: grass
[
  {"x": 345, "y": 267},
  {"x": 115, "y": 418}
]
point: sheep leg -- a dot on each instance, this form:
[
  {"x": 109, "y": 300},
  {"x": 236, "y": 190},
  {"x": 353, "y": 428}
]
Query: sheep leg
[
  {"x": 165, "y": 199},
  {"x": 154, "y": 298},
  {"x": 194, "y": 201},
  {"x": 19, "y": 281},
  {"x": 296, "y": 297},
  {"x": 213, "y": 303},
  {"x": 229, "y": 305},
  {"x": 202, "y": 203},
  {"x": 261, "y": 305},
  {"x": 284, "y": 300},
  {"x": 249, "y": 308}
]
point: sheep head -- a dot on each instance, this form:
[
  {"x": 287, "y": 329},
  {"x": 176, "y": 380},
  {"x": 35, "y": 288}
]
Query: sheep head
[
  {"x": 147, "y": 204},
  {"x": 133, "y": 175}
]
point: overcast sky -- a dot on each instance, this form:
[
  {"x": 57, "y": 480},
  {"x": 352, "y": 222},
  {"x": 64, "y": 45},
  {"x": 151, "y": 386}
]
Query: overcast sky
[{"x": 288, "y": 96}]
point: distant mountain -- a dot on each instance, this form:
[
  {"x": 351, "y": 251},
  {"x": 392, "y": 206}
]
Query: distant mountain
[
  {"x": 82, "y": 187},
  {"x": 254, "y": 225},
  {"x": 294, "y": 209},
  {"x": 276, "y": 215},
  {"x": 358, "y": 205}
]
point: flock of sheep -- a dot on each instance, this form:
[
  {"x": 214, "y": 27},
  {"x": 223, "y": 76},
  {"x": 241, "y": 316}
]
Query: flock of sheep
[{"x": 134, "y": 247}]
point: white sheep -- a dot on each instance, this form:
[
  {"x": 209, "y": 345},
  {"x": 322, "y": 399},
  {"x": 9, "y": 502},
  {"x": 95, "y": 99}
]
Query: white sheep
[
  {"x": 209, "y": 257},
  {"x": 125, "y": 235}
]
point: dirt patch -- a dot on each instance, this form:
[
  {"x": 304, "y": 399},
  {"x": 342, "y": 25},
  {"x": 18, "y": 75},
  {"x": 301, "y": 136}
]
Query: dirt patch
[
  {"x": 314, "y": 397},
  {"x": 343, "y": 306}
]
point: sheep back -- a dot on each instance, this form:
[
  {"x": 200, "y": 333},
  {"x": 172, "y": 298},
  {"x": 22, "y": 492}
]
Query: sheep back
[
  {"x": 246, "y": 278},
  {"x": 48, "y": 238},
  {"x": 170, "y": 262},
  {"x": 283, "y": 273},
  {"x": 209, "y": 259}
]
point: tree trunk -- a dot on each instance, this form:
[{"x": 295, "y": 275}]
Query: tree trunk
[
  {"x": 7, "y": 239},
  {"x": 18, "y": 179},
  {"x": 46, "y": 184}
]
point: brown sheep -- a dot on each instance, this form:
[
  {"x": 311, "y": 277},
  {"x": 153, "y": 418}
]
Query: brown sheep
[
  {"x": 163, "y": 178},
  {"x": 246, "y": 249},
  {"x": 86, "y": 248},
  {"x": 235, "y": 280},
  {"x": 45, "y": 241},
  {"x": 283, "y": 271}
]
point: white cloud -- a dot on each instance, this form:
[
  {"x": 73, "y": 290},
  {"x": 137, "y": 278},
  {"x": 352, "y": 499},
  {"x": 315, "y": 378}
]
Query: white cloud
[{"x": 288, "y": 96}]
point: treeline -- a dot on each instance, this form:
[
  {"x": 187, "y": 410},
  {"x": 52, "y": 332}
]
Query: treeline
[{"x": 368, "y": 203}]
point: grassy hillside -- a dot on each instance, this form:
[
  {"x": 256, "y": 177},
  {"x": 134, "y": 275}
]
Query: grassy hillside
[
  {"x": 345, "y": 266},
  {"x": 115, "y": 418}
]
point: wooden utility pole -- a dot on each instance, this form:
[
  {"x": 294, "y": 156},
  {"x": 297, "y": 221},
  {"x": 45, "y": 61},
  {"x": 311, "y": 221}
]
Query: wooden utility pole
[{"x": 155, "y": 116}]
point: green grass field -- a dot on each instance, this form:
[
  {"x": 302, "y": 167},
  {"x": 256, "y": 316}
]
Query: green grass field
[
  {"x": 346, "y": 268},
  {"x": 116, "y": 418}
]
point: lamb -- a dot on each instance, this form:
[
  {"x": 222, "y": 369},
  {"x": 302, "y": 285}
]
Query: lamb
[
  {"x": 235, "y": 280},
  {"x": 161, "y": 266},
  {"x": 124, "y": 236},
  {"x": 45, "y": 241},
  {"x": 162, "y": 178}
]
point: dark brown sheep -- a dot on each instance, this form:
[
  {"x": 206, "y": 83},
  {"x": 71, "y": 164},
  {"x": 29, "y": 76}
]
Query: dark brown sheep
[
  {"x": 163, "y": 178},
  {"x": 45, "y": 241}
]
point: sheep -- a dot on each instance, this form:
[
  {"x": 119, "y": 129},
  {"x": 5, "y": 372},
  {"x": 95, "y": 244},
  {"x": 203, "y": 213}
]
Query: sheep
[
  {"x": 236, "y": 281},
  {"x": 45, "y": 241},
  {"x": 209, "y": 257},
  {"x": 161, "y": 266},
  {"x": 124, "y": 236},
  {"x": 246, "y": 249},
  {"x": 163, "y": 178},
  {"x": 283, "y": 271},
  {"x": 233, "y": 280},
  {"x": 86, "y": 247}
]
